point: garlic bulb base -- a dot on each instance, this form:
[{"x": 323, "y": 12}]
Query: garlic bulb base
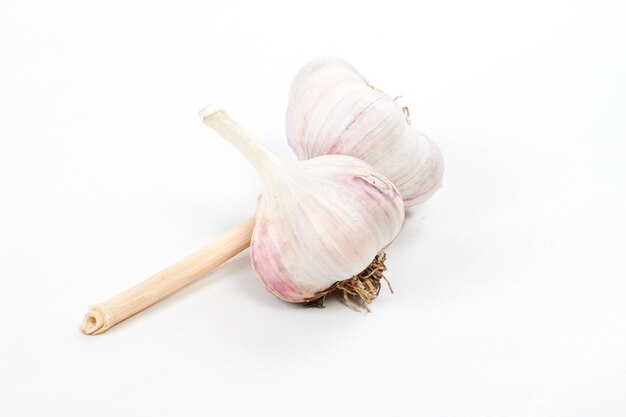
[{"x": 358, "y": 291}]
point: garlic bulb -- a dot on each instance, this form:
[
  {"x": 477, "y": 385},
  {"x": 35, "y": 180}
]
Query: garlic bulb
[
  {"x": 318, "y": 221},
  {"x": 334, "y": 110}
]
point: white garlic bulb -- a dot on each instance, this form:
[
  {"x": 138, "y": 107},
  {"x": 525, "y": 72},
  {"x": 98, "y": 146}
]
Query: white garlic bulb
[
  {"x": 318, "y": 221},
  {"x": 334, "y": 110}
]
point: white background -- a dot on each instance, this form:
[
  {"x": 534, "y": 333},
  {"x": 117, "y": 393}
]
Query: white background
[{"x": 510, "y": 290}]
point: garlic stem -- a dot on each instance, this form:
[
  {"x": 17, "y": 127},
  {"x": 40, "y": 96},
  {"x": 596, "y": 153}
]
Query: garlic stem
[
  {"x": 259, "y": 156},
  {"x": 102, "y": 317}
]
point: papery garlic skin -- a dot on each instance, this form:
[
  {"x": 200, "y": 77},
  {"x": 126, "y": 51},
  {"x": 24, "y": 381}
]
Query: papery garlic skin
[
  {"x": 321, "y": 221},
  {"x": 318, "y": 221},
  {"x": 333, "y": 110}
]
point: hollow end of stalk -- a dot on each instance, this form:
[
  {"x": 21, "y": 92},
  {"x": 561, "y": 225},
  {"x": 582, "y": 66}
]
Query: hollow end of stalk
[{"x": 93, "y": 323}]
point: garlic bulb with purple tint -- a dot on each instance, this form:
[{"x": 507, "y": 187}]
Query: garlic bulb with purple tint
[
  {"x": 334, "y": 110},
  {"x": 318, "y": 222}
]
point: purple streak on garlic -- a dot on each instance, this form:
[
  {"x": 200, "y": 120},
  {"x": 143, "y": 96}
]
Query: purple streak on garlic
[
  {"x": 318, "y": 221},
  {"x": 333, "y": 110}
]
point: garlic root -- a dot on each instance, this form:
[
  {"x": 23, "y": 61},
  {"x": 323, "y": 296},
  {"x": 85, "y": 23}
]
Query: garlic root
[
  {"x": 103, "y": 316},
  {"x": 360, "y": 290}
]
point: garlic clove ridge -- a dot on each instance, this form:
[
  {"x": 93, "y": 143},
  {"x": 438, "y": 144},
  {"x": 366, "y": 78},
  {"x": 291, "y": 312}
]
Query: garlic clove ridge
[{"x": 334, "y": 110}]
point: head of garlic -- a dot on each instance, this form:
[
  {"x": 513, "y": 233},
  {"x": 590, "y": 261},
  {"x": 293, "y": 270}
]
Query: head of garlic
[
  {"x": 334, "y": 110},
  {"x": 319, "y": 221}
]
